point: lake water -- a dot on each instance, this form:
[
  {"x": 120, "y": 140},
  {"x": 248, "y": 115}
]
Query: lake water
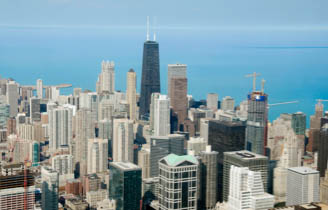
[{"x": 294, "y": 63}]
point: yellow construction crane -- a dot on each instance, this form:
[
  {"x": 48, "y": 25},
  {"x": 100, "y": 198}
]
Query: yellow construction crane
[{"x": 254, "y": 75}]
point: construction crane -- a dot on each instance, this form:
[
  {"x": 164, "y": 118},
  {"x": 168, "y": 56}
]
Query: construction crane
[
  {"x": 254, "y": 75},
  {"x": 288, "y": 102},
  {"x": 321, "y": 100}
]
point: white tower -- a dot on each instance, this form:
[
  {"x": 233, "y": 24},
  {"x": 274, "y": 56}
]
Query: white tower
[
  {"x": 162, "y": 116},
  {"x": 39, "y": 88},
  {"x": 123, "y": 140}
]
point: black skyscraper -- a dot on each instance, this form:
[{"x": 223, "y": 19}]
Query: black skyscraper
[{"x": 150, "y": 81}]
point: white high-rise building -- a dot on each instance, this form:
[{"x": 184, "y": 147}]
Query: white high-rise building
[
  {"x": 50, "y": 185},
  {"x": 39, "y": 88},
  {"x": 97, "y": 155},
  {"x": 60, "y": 127},
  {"x": 63, "y": 164},
  {"x": 106, "y": 79},
  {"x": 228, "y": 103},
  {"x": 302, "y": 186},
  {"x": 123, "y": 140},
  {"x": 12, "y": 98},
  {"x": 131, "y": 93},
  {"x": 212, "y": 101},
  {"x": 175, "y": 71},
  {"x": 162, "y": 116},
  {"x": 246, "y": 190},
  {"x": 197, "y": 145}
]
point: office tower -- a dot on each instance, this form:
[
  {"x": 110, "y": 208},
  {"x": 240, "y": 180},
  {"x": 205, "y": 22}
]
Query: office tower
[
  {"x": 323, "y": 150},
  {"x": 11, "y": 126},
  {"x": 315, "y": 125},
  {"x": 106, "y": 109},
  {"x": 106, "y": 79},
  {"x": 63, "y": 164},
  {"x": 228, "y": 103},
  {"x": 97, "y": 155},
  {"x": 163, "y": 146},
  {"x": 12, "y": 97},
  {"x": 90, "y": 100},
  {"x": 105, "y": 129},
  {"x": 203, "y": 129},
  {"x": 254, "y": 162},
  {"x": 4, "y": 114},
  {"x": 35, "y": 112},
  {"x": 162, "y": 116},
  {"x": 209, "y": 178},
  {"x": 225, "y": 136},
  {"x": 144, "y": 162},
  {"x": 131, "y": 93},
  {"x": 150, "y": 81},
  {"x": 50, "y": 184},
  {"x": 154, "y": 96},
  {"x": 179, "y": 100},
  {"x": 302, "y": 186},
  {"x": 149, "y": 191},
  {"x": 93, "y": 197},
  {"x": 299, "y": 123},
  {"x": 60, "y": 127},
  {"x": 84, "y": 131},
  {"x": 39, "y": 88},
  {"x": 175, "y": 71},
  {"x": 13, "y": 190},
  {"x": 246, "y": 190},
  {"x": 178, "y": 182},
  {"x": 123, "y": 140},
  {"x": 212, "y": 101},
  {"x": 324, "y": 189},
  {"x": 257, "y": 118},
  {"x": 197, "y": 145},
  {"x": 125, "y": 185}
]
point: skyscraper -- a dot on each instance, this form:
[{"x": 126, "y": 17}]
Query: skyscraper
[
  {"x": 123, "y": 140},
  {"x": 35, "y": 113},
  {"x": 246, "y": 190},
  {"x": 131, "y": 93},
  {"x": 125, "y": 185},
  {"x": 106, "y": 79},
  {"x": 60, "y": 127},
  {"x": 97, "y": 155},
  {"x": 162, "y": 116},
  {"x": 302, "y": 186},
  {"x": 228, "y": 103},
  {"x": 212, "y": 101},
  {"x": 178, "y": 182},
  {"x": 175, "y": 71},
  {"x": 150, "y": 81},
  {"x": 254, "y": 162},
  {"x": 323, "y": 150},
  {"x": 39, "y": 88},
  {"x": 12, "y": 97},
  {"x": 256, "y": 129},
  {"x": 50, "y": 184},
  {"x": 209, "y": 178},
  {"x": 179, "y": 100}
]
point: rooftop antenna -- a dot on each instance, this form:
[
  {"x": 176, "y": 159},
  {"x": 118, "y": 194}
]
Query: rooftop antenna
[
  {"x": 155, "y": 28},
  {"x": 147, "y": 28}
]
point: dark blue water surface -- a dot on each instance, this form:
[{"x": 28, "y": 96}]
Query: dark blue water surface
[{"x": 293, "y": 62}]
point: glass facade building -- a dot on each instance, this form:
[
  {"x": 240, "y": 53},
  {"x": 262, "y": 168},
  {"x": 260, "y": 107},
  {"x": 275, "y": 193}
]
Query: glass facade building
[{"x": 125, "y": 185}]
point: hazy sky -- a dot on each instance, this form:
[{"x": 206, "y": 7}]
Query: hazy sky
[{"x": 169, "y": 13}]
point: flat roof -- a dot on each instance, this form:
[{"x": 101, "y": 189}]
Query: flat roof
[
  {"x": 304, "y": 170},
  {"x": 126, "y": 166},
  {"x": 245, "y": 155}
]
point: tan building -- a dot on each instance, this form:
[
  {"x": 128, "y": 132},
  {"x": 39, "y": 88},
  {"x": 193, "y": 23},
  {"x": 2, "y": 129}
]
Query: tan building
[
  {"x": 179, "y": 100},
  {"x": 131, "y": 93}
]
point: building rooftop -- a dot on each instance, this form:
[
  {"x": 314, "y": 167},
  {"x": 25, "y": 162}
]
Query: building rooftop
[
  {"x": 174, "y": 160},
  {"x": 245, "y": 155},
  {"x": 303, "y": 170},
  {"x": 126, "y": 166}
]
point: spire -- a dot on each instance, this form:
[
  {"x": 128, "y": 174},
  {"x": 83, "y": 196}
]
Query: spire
[
  {"x": 147, "y": 28},
  {"x": 154, "y": 29}
]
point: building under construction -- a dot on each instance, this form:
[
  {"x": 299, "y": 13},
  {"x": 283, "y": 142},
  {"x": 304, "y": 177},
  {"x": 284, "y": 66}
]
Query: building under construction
[{"x": 17, "y": 189}]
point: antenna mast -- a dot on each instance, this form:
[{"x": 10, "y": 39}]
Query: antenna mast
[
  {"x": 147, "y": 28},
  {"x": 155, "y": 28}
]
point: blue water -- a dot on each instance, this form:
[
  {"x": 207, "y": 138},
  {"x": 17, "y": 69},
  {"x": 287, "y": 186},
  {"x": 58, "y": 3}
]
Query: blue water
[{"x": 294, "y": 63}]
